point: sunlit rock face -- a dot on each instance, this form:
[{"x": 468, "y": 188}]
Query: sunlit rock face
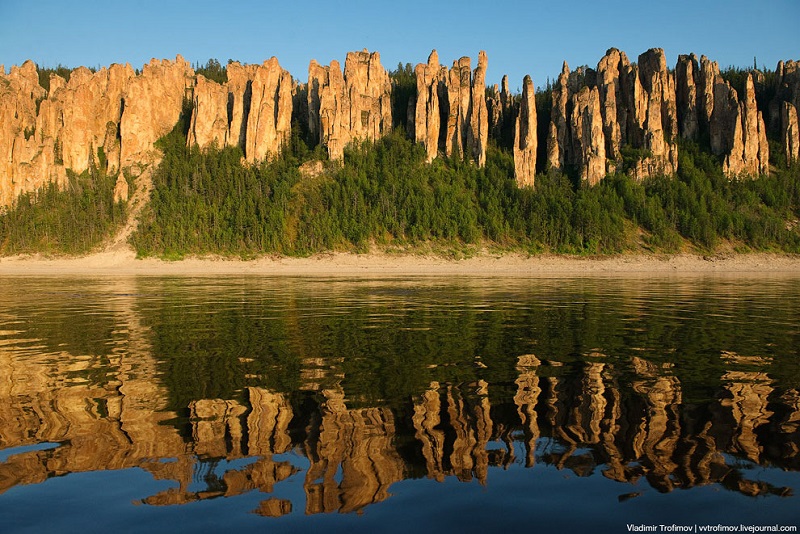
[
  {"x": 588, "y": 140},
  {"x": 354, "y": 105},
  {"x": 525, "y": 136},
  {"x": 451, "y": 110},
  {"x": 152, "y": 106},
  {"x": 431, "y": 88}
]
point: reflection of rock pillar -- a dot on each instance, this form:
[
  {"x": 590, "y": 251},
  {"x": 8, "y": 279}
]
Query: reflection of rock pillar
[
  {"x": 268, "y": 423},
  {"x": 589, "y": 413},
  {"x": 659, "y": 432},
  {"x": 472, "y": 433},
  {"x": 361, "y": 443},
  {"x": 527, "y": 396},
  {"x": 483, "y": 427},
  {"x": 215, "y": 422},
  {"x": 750, "y": 392},
  {"x": 426, "y": 418},
  {"x": 791, "y": 424}
]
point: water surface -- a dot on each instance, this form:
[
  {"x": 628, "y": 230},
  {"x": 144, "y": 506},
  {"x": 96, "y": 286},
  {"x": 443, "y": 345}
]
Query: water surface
[{"x": 278, "y": 404}]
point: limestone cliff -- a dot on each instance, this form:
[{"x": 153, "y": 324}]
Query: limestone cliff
[
  {"x": 26, "y": 162},
  {"x": 269, "y": 122},
  {"x": 783, "y": 108},
  {"x": 356, "y": 105},
  {"x": 153, "y": 103},
  {"x": 557, "y": 134},
  {"x": 479, "y": 117},
  {"x": 453, "y": 103},
  {"x": 427, "y": 117},
  {"x": 209, "y": 114},
  {"x": 686, "y": 74},
  {"x": 654, "y": 127},
  {"x": 588, "y": 140},
  {"x": 111, "y": 118},
  {"x": 525, "y": 139},
  {"x": 609, "y": 84}
]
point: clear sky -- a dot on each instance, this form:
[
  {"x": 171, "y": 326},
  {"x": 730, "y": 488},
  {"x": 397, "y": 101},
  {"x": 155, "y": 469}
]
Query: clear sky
[{"x": 520, "y": 37}]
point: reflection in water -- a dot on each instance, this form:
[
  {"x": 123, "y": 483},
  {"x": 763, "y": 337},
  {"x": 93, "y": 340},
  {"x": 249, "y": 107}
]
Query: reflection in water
[{"x": 342, "y": 397}]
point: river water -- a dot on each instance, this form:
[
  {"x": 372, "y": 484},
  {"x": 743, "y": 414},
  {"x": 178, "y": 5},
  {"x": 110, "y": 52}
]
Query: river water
[{"x": 204, "y": 404}]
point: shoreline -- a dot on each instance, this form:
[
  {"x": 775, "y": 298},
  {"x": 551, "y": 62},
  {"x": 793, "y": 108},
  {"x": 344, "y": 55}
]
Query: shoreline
[{"x": 339, "y": 264}]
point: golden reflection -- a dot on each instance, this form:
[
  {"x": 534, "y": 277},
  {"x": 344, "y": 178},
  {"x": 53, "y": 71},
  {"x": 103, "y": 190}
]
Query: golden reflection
[{"x": 625, "y": 420}]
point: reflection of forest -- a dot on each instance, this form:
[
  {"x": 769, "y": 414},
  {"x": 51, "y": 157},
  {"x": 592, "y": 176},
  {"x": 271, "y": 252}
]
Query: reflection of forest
[{"x": 582, "y": 419}]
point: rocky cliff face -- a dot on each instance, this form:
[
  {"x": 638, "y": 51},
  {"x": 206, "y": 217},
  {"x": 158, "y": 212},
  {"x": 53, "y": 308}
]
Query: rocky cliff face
[
  {"x": 110, "y": 117},
  {"x": 783, "y": 107},
  {"x": 269, "y": 123},
  {"x": 628, "y": 117},
  {"x": 654, "y": 124},
  {"x": 452, "y": 103},
  {"x": 253, "y": 110},
  {"x": 525, "y": 139},
  {"x": 588, "y": 146},
  {"x": 431, "y": 87},
  {"x": 152, "y": 106},
  {"x": 686, "y": 81},
  {"x": 356, "y": 105}
]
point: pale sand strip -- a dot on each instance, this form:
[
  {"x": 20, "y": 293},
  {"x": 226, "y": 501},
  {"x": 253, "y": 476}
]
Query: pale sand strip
[{"x": 124, "y": 263}]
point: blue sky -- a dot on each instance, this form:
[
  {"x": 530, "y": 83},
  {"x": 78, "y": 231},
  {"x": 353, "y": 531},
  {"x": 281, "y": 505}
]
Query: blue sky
[{"x": 520, "y": 37}]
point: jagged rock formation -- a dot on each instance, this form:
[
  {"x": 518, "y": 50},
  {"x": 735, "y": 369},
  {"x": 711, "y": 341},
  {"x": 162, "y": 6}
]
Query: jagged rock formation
[
  {"x": 629, "y": 117},
  {"x": 253, "y": 110},
  {"x": 783, "y": 108},
  {"x": 26, "y": 162},
  {"x": 500, "y": 107},
  {"x": 557, "y": 134},
  {"x": 269, "y": 123},
  {"x": 110, "y": 117},
  {"x": 525, "y": 139},
  {"x": 431, "y": 87},
  {"x": 654, "y": 127},
  {"x": 356, "y": 105},
  {"x": 750, "y": 152},
  {"x": 479, "y": 117},
  {"x": 452, "y": 102},
  {"x": 791, "y": 132},
  {"x": 152, "y": 106},
  {"x": 588, "y": 140},
  {"x": 686, "y": 72},
  {"x": 209, "y": 114},
  {"x": 609, "y": 70}
]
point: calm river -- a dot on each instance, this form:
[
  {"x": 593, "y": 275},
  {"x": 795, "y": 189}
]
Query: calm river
[{"x": 599, "y": 404}]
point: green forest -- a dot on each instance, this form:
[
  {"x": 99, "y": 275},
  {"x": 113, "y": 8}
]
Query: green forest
[{"x": 386, "y": 196}]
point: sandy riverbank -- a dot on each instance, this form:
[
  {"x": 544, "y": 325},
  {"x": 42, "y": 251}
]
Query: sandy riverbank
[{"x": 123, "y": 262}]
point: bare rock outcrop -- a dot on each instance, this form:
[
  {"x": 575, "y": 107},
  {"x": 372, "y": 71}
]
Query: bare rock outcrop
[
  {"x": 655, "y": 120},
  {"x": 557, "y": 134},
  {"x": 749, "y": 151},
  {"x": 452, "y": 104},
  {"x": 609, "y": 71},
  {"x": 783, "y": 108},
  {"x": 209, "y": 124},
  {"x": 686, "y": 74},
  {"x": 269, "y": 122},
  {"x": 500, "y": 105},
  {"x": 525, "y": 137},
  {"x": 479, "y": 116},
  {"x": 356, "y": 105},
  {"x": 588, "y": 140},
  {"x": 707, "y": 79},
  {"x": 791, "y": 132},
  {"x": 153, "y": 103},
  {"x": 24, "y": 166},
  {"x": 427, "y": 118},
  {"x": 240, "y": 90},
  {"x": 459, "y": 95}
]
